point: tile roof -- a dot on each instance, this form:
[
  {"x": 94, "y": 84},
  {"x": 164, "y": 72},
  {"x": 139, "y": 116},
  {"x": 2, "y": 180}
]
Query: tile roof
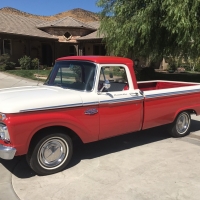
[
  {"x": 95, "y": 24},
  {"x": 66, "y": 22},
  {"x": 92, "y": 36},
  {"x": 19, "y": 25}
]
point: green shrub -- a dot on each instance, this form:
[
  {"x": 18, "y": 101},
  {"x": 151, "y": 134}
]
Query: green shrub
[
  {"x": 44, "y": 67},
  {"x": 197, "y": 68},
  {"x": 4, "y": 58},
  {"x": 5, "y": 63},
  {"x": 34, "y": 63},
  {"x": 172, "y": 67},
  {"x": 2, "y": 67},
  {"x": 25, "y": 62},
  {"x": 10, "y": 66},
  {"x": 186, "y": 67}
]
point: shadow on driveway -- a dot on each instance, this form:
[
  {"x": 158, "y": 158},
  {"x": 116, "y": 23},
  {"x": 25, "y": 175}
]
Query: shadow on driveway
[
  {"x": 94, "y": 149},
  {"x": 99, "y": 148},
  {"x": 195, "y": 125}
]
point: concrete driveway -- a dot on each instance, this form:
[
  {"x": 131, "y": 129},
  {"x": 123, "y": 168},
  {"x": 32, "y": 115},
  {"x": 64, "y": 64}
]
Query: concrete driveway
[
  {"x": 146, "y": 165},
  {"x": 7, "y": 81}
]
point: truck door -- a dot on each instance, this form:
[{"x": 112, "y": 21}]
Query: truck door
[{"x": 121, "y": 106}]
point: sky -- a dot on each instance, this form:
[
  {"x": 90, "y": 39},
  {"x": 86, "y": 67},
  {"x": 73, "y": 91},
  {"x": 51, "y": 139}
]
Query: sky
[{"x": 49, "y": 7}]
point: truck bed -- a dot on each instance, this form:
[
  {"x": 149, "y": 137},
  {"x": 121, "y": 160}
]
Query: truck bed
[
  {"x": 157, "y": 85},
  {"x": 163, "y": 100}
]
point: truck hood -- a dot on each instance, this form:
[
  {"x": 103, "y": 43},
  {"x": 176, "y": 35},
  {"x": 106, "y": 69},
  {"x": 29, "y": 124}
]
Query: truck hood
[{"x": 32, "y": 98}]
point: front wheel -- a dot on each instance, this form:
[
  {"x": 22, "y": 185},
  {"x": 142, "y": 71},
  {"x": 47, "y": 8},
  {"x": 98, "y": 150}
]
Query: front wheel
[
  {"x": 50, "y": 154},
  {"x": 181, "y": 125}
]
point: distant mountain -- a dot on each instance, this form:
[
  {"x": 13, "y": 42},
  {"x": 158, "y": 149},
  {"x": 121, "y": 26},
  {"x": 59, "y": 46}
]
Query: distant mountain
[{"x": 78, "y": 13}]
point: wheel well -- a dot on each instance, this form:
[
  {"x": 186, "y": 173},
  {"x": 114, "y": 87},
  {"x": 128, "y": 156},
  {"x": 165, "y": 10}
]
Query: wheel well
[
  {"x": 45, "y": 131},
  {"x": 191, "y": 111}
]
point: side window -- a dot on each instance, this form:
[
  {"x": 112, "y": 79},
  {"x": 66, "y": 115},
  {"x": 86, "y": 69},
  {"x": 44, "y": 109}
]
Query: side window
[
  {"x": 117, "y": 77},
  {"x": 7, "y": 47}
]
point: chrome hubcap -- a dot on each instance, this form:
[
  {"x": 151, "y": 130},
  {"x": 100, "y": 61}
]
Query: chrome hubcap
[
  {"x": 53, "y": 153},
  {"x": 183, "y": 123}
]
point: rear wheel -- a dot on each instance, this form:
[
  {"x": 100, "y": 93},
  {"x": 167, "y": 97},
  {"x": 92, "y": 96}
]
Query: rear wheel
[
  {"x": 50, "y": 154},
  {"x": 181, "y": 125}
]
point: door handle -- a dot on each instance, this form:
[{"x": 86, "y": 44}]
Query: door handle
[{"x": 134, "y": 94}]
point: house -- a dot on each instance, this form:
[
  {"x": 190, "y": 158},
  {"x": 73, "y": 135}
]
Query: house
[{"x": 48, "y": 40}]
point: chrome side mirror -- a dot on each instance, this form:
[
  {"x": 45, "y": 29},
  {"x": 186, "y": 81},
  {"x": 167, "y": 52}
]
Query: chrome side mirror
[{"x": 106, "y": 85}]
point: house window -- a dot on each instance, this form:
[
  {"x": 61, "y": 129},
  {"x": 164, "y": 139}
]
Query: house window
[
  {"x": 7, "y": 46},
  {"x": 67, "y": 35}
]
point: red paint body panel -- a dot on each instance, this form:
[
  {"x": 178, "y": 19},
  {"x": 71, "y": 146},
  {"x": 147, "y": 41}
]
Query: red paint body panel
[
  {"x": 23, "y": 126},
  {"x": 157, "y": 85},
  {"x": 163, "y": 110},
  {"x": 120, "y": 118}
]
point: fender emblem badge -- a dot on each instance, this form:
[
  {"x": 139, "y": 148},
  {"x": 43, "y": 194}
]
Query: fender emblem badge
[{"x": 92, "y": 111}]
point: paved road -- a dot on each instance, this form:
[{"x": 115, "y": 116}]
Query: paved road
[{"x": 144, "y": 165}]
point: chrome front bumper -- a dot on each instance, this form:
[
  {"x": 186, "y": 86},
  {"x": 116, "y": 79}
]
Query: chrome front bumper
[{"x": 7, "y": 153}]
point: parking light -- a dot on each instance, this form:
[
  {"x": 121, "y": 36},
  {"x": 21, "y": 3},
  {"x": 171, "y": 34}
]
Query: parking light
[{"x": 2, "y": 116}]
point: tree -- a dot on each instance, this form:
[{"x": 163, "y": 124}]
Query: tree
[{"x": 151, "y": 28}]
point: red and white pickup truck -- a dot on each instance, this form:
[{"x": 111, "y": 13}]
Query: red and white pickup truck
[{"x": 90, "y": 98}]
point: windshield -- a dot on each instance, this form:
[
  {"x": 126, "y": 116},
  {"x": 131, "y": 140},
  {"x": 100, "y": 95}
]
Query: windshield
[{"x": 77, "y": 75}]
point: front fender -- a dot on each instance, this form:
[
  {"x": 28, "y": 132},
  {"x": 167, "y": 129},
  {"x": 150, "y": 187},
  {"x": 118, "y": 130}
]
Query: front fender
[{"x": 23, "y": 126}]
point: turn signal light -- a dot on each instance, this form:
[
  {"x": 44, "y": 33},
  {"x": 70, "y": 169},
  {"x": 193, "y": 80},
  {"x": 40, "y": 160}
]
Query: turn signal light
[{"x": 2, "y": 117}]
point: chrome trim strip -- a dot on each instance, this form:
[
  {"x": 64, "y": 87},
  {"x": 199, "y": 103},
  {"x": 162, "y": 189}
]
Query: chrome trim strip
[
  {"x": 7, "y": 153},
  {"x": 150, "y": 96},
  {"x": 122, "y": 100},
  {"x": 61, "y": 106},
  {"x": 91, "y": 103},
  {"x": 53, "y": 107}
]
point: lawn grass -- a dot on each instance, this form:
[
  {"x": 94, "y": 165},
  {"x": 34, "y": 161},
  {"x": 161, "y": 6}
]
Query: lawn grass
[{"x": 30, "y": 74}]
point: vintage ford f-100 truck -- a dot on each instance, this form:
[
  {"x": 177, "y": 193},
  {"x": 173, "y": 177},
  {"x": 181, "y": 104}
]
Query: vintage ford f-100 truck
[{"x": 90, "y": 98}]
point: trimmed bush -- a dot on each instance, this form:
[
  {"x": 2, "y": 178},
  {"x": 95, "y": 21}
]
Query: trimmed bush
[
  {"x": 5, "y": 63},
  {"x": 187, "y": 67},
  {"x": 25, "y": 62},
  {"x": 197, "y": 68},
  {"x": 35, "y": 63},
  {"x": 172, "y": 68}
]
